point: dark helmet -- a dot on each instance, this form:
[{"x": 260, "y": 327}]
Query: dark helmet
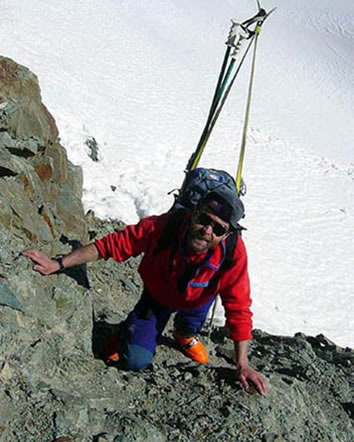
[{"x": 225, "y": 204}]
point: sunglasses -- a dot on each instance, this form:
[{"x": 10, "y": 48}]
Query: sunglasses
[{"x": 204, "y": 220}]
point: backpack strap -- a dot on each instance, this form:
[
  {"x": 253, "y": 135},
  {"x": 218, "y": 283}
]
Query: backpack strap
[
  {"x": 230, "y": 247},
  {"x": 230, "y": 243},
  {"x": 169, "y": 237}
]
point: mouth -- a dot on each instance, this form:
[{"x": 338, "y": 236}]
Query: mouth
[{"x": 200, "y": 242}]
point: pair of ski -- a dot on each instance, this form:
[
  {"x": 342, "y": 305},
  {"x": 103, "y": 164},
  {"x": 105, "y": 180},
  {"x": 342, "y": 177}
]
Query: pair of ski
[{"x": 235, "y": 55}]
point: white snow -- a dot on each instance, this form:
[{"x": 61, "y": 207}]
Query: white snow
[{"x": 139, "y": 77}]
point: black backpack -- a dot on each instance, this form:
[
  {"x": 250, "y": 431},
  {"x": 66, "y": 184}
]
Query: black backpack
[{"x": 200, "y": 181}]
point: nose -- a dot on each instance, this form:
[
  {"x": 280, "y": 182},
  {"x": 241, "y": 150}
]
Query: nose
[{"x": 208, "y": 229}]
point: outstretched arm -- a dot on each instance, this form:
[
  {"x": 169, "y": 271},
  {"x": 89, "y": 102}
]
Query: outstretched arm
[
  {"x": 245, "y": 372},
  {"x": 46, "y": 266}
]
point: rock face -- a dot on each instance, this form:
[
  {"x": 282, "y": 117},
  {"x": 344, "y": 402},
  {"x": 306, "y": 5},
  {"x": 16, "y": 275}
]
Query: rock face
[
  {"x": 55, "y": 387},
  {"x": 37, "y": 181}
]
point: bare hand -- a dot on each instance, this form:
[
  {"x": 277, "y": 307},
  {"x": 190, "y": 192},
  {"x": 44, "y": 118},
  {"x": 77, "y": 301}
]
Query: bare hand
[
  {"x": 43, "y": 264},
  {"x": 248, "y": 373}
]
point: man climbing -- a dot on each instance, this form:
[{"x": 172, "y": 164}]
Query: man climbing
[{"x": 182, "y": 270}]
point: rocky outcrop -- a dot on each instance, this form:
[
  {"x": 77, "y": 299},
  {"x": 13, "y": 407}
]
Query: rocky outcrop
[
  {"x": 37, "y": 180},
  {"x": 55, "y": 387}
]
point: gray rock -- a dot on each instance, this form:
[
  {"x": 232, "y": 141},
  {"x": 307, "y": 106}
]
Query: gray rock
[
  {"x": 91, "y": 143},
  {"x": 6, "y": 141},
  {"x": 26, "y": 148},
  {"x": 7, "y": 297}
]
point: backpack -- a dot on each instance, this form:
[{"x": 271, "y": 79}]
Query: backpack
[{"x": 200, "y": 181}]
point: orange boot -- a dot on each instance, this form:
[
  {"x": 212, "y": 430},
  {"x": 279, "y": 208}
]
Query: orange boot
[
  {"x": 110, "y": 353},
  {"x": 192, "y": 347}
]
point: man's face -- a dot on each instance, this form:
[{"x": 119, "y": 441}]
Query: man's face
[{"x": 206, "y": 230}]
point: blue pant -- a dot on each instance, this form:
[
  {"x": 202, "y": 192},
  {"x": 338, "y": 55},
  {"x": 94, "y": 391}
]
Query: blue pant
[{"x": 146, "y": 323}]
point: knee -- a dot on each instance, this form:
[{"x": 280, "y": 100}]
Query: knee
[{"x": 136, "y": 358}]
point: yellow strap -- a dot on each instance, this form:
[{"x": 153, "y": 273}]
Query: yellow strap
[
  {"x": 247, "y": 115},
  {"x": 199, "y": 154},
  {"x": 221, "y": 105}
]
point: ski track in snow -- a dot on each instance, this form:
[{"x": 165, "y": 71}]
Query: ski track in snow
[{"x": 139, "y": 78}]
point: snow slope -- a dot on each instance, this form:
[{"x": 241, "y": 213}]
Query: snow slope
[{"x": 139, "y": 76}]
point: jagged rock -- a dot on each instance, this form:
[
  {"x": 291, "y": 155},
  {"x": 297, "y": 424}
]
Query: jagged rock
[
  {"x": 92, "y": 144},
  {"x": 7, "y": 298},
  {"x": 44, "y": 167},
  {"x": 22, "y": 112},
  {"x": 53, "y": 384},
  {"x": 6, "y": 140},
  {"x": 23, "y": 148},
  {"x": 75, "y": 179},
  {"x": 10, "y": 165},
  {"x": 33, "y": 164},
  {"x": 70, "y": 210},
  {"x": 58, "y": 154}
]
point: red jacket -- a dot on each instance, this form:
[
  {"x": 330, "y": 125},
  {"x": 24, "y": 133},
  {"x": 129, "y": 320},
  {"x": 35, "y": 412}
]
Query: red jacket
[{"x": 232, "y": 285}]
